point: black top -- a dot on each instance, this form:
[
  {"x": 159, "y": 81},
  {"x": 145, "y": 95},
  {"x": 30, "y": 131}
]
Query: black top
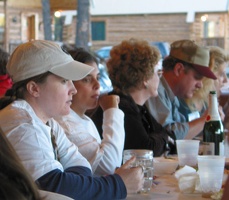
[{"x": 142, "y": 131}]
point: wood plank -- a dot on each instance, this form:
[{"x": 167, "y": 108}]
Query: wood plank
[
  {"x": 54, "y": 4},
  {"x": 63, "y": 5}
]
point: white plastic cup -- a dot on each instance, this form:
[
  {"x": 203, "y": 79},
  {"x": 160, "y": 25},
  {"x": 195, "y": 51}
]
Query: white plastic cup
[
  {"x": 210, "y": 170},
  {"x": 187, "y": 151},
  {"x": 144, "y": 158}
]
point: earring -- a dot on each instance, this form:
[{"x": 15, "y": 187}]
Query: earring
[{"x": 146, "y": 86}]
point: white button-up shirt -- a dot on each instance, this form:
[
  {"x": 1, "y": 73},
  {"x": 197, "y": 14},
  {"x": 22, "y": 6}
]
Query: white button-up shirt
[{"x": 31, "y": 139}]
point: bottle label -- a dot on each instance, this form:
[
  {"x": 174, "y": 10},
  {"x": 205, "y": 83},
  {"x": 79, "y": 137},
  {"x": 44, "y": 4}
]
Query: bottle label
[
  {"x": 212, "y": 118},
  {"x": 221, "y": 149},
  {"x": 208, "y": 148}
]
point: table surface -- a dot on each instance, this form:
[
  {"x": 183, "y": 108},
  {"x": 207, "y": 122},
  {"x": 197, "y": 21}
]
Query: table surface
[{"x": 166, "y": 189}]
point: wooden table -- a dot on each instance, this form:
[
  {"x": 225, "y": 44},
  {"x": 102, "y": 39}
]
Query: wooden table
[{"x": 166, "y": 189}]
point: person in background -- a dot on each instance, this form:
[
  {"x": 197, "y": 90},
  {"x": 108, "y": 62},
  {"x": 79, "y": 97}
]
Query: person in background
[
  {"x": 42, "y": 73},
  {"x": 220, "y": 61},
  {"x": 5, "y": 81},
  {"x": 183, "y": 71},
  {"x": 134, "y": 74},
  {"x": 104, "y": 155},
  {"x": 199, "y": 101}
]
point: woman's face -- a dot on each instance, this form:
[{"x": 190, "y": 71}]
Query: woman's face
[
  {"x": 88, "y": 91},
  {"x": 153, "y": 82},
  {"x": 54, "y": 97},
  {"x": 221, "y": 76}
]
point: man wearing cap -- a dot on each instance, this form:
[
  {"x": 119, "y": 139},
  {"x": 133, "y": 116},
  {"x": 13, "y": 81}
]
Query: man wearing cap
[{"x": 183, "y": 71}]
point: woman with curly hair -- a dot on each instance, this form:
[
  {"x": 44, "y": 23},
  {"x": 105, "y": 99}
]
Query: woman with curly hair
[{"x": 133, "y": 70}]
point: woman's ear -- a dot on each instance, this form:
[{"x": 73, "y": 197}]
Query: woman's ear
[
  {"x": 33, "y": 88},
  {"x": 178, "y": 69},
  {"x": 145, "y": 84}
]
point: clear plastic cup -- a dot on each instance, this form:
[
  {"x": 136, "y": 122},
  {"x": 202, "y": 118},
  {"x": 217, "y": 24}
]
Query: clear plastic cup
[
  {"x": 187, "y": 151},
  {"x": 210, "y": 170},
  {"x": 144, "y": 158}
]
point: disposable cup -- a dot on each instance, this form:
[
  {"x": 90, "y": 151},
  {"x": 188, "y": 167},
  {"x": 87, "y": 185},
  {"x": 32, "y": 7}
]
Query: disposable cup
[
  {"x": 144, "y": 158},
  {"x": 187, "y": 151},
  {"x": 210, "y": 170}
]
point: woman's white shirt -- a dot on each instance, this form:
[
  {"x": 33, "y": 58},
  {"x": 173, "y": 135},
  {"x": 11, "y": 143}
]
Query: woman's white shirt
[
  {"x": 104, "y": 155},
  {"x": 31, "y": 139}
]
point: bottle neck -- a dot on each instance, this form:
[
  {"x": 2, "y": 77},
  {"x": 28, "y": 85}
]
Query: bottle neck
[{"x": 213, "y": 113}]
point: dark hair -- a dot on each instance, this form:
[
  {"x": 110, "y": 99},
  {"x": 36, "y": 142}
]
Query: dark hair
[
  {"x": 15, "y": 181},
  {"x": 169, "y": 63},
  {"x": 18, "y": 90},
  {"x": 83, "y": 56},
  {"x": 4, "y": 57}
]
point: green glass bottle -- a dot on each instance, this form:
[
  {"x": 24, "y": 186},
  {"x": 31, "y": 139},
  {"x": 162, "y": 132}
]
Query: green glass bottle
[{"x": 213, "y": 132}]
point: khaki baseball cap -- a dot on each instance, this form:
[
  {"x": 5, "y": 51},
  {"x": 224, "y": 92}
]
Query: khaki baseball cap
[
  {"x": 39, "y": 56},
  {"x": 188, "y": 51}
]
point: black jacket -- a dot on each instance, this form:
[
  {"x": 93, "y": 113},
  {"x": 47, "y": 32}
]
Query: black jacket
[{"x": 142, "y": 131}]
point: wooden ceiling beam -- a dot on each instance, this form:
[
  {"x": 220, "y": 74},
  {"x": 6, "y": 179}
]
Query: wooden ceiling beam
[
  {"x": 54, "y": 4},
  {"x": 63, "y": 5}
]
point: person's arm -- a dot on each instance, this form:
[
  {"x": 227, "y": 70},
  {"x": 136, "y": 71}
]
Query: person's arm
[
  {"x": 68, "y": 153},
  {"x": 138, "y": 138},
  {"x": 106, "y": 155},
  {"x": 78, "y": 183},
  {"x": 166, "y": 113},
  {"x": 135, "y": 134},
  {"x": 83, "y": 134},
  {"x": 112, "y": 142},
  {"x": 195, "y": 127}
]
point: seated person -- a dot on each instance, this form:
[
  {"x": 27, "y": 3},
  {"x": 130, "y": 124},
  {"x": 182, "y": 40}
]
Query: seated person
[
  {"x": 104, "y": 155},
  {"x": 133, "y": 71},
  {"x": 42, "y": 73},
  {"x": 5, "y": 80},
  {"x": 15, "y": 181},
  {"x": 183, "y": 71},
  {"x": 199, "y": 101}
]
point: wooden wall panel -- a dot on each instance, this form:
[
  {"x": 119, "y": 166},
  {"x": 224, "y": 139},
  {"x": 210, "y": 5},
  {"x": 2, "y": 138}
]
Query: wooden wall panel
[
  {"x": 161, "y": 27},
  {"x": 63, "y": 5},
  {"x": 24, "y": 3},
  {"x": 54, "y": 4}
]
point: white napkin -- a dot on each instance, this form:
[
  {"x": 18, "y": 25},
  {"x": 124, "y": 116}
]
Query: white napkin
[{"x": 188, "y": 179}]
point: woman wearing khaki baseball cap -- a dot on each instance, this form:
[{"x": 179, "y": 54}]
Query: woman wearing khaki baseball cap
[{"x": 42, "y": 73}]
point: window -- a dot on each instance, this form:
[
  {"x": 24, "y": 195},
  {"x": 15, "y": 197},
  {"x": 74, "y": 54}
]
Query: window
[
  {"x": 98, "y": 30},
  {"x": 213, "y": 26}
]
